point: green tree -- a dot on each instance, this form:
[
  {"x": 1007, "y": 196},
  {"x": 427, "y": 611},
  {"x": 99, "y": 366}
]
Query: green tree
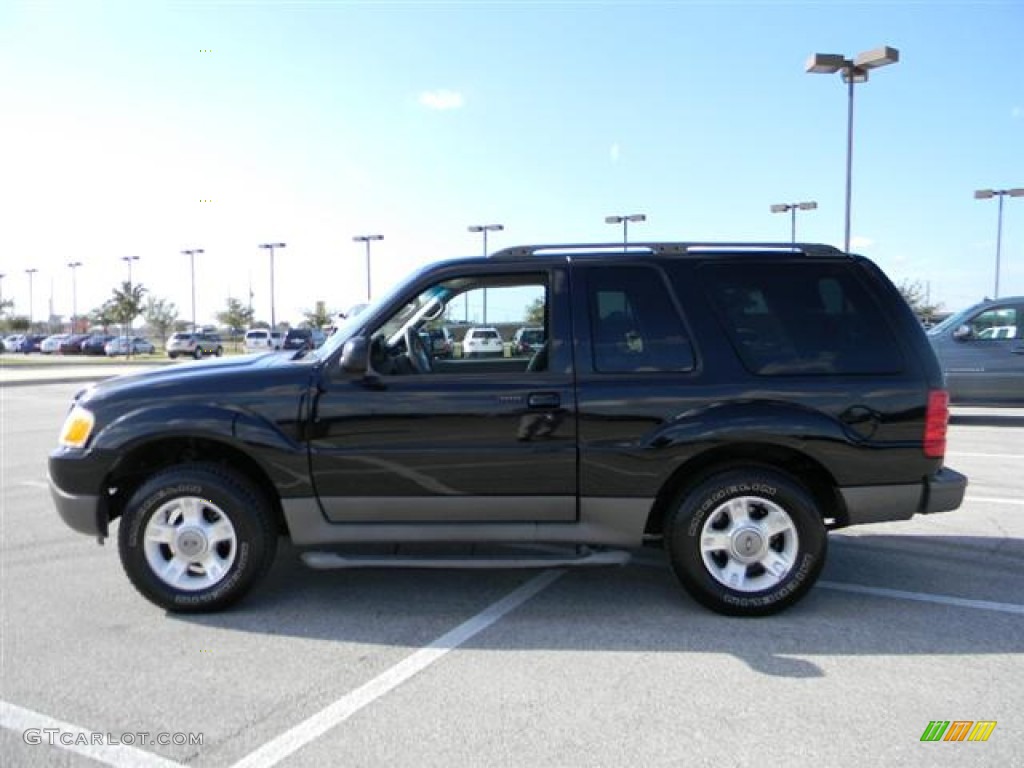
[
  {"x": 161, "y": 315},
  {"x": 18, "y": 323},
  {"x": 535, "y": 312},
  {"x": 318, "y": 317},
  {"x": 916, "y": 294},
  {"x": 127, "y": 302},
  {"x": 237, "y": 316},
  {"x": 104, "y": 316},
  {"x": 6, "y": 304}
]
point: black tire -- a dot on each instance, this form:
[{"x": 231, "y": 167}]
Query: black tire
[
  {"x": 217, "y": 501},
  {"x": 770, "y": 544},
  {"x": 198, "y": 353},
  {"x": 172, "y": 355},
  {"x": 219, "y": 352}
]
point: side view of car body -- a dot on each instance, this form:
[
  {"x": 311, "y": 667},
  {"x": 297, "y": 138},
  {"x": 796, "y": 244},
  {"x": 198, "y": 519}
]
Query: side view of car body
[
  {"x": 981, "y": 351},
  {"x": 527, "y": 341},
  {"x": 730, "y": 403}
]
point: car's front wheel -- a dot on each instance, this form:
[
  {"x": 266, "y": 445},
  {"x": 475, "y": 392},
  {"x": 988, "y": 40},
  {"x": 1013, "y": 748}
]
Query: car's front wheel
[
  {"x": 747, "y": 541},
  {"x": 198, "y": 353},
  {"x": 196, "y": 538}
]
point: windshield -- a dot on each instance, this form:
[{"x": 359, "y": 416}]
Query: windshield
[{"x": 952, "y": 321}]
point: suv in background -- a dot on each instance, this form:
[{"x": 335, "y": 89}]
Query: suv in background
[
  {"x": 194, "y": 345},
  {"x": 303, "y": 338},
  {"x": 527, "y": 341},
  {"x": 482, "y": 342},
  {"x": 729, "y": 403},
  {"x": 981, "y": 351},
  {"x": 440, "y": 341},
  {"x": 262, "y": 340}
]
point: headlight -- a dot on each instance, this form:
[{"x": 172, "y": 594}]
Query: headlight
[{"x": 77, "y": 428}]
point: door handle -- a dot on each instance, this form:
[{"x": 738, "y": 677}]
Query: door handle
[{"x": 543, "y": 400}]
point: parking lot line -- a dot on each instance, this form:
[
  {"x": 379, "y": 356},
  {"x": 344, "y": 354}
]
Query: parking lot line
[
  {"x": 924, "y": 597},
  {"x": 993, "y": 500},
  {"x": 313, "y": 727},
  {"x": 25, "y": 721}
]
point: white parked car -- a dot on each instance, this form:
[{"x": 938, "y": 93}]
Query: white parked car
[
  {"x": 121, "y": 345},
  {"x": 262, "y": 340},
  {"x": 483, "y": 342},
  {"x": 51, "y": 344}
]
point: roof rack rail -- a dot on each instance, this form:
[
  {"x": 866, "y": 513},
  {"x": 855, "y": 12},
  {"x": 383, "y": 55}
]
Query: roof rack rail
[{"x": 569, "y": 249}]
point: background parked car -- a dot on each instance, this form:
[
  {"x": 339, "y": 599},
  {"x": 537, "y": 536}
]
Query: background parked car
[
  {"x": 51, "y": 344},
  {"x": 12, "y": 342},
  {"x": 72, "y": 345},
  {"x": 121, "y": 345},
  {"x": 95, "y": 344},
  {"x": 439, "y": 342},
  {"x": 26, "y": 343},
  {"x": 261, "y": 340},
  {"x": 527, "y": 341},
  {"x": 484, "y": 341},
  {"x": 981, "y": 351},
  {"x": 303, "y": 338},
  {"x": 194, "y": 345}
]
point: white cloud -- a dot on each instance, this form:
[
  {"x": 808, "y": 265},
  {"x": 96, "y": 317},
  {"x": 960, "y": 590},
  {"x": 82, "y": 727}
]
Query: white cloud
[
  {"x": 613, "y": 153},
  {"x": 861, "y": 242},
  {"x": 442, "y": 99}
]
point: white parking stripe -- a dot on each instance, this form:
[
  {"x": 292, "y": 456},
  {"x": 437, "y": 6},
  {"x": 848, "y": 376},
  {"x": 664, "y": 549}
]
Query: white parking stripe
[
  {"x": 985, "y": 455},
  {"x": 17, "y": 718},
  {"x": 924, "y": 597},
  {"x": 993, "y": 500},
  {"x": 291, "y": 741}
]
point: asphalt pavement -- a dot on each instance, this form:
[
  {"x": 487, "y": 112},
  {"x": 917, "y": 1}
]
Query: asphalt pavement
[{"x": 911, "y": 623}]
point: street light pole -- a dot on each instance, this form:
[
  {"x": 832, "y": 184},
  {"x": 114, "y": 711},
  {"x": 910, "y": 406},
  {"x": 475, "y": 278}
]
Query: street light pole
[
  {"x": 988, "y": 194},
  {"x": 792, "y": 209},
  {"x": 484, "y": 228},
  {"x": 129, "y": 259},
  {"x": 31, "y": 298},
  {"x": 74, "y": 293},
  {"x": 273, "y": 314},
  {"x": 624, "y": 221},
  {"x": 853, "y": 71},
  {"x": 367, "y": 239},
  {"x": 192, "y": 263}
]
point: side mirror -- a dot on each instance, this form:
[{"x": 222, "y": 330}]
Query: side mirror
[
  {"x": 355, "y": 355},
  {"x": 963, "y": 333}
]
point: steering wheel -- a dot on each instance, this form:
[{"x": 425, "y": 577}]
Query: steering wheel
[{"x": 416, "y": 350}]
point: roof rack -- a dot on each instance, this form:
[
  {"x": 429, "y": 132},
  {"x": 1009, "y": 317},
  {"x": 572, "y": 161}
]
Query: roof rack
[{"x": 669, "y": 249}]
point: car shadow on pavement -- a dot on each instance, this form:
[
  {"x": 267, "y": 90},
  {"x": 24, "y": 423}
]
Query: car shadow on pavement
[{"x": 641, "y": 608}]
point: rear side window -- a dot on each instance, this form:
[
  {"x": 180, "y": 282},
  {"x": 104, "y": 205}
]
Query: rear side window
[
  {"x": 801, "y": 318},
  {"x": 634, "y": 325}
]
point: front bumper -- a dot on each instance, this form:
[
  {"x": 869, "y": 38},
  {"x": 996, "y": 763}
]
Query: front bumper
[
  {"x": 77, "y": 494},
  {"x": 941, "y": 492}
]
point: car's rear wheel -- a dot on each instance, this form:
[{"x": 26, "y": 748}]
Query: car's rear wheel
[
  {"x": 198, "y": 354},
  {"x": 196, "y": 538},
  {"x": 220, "y": 351},
  {"x": 746, "y": 541}
]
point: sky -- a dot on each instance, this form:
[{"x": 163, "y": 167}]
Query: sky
[{"x": 149, "y": 128}]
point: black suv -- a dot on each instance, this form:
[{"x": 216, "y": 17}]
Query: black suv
[{"x": 731, "y": 403}]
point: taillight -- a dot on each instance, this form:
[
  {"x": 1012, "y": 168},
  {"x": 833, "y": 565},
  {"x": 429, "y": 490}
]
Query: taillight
[{"x": 935, "y": 421}]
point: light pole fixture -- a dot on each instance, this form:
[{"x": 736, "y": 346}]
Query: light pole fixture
[
  {"x": 485, "y": 228},
  {"x": 129, "y": 259},
  {"x": 853, "y": 71},
  {"x": 624, "y": 221},
  {"x": 192, "y": 264},
  {"x": 74, "y": 293},
  {"x": 367, "y": 239},
  {"x": 988, "y": 194},
  {"x": 273, "y": 315},
  {"x": 792, "y": 208},
  {"x": 31, "y": 298}
]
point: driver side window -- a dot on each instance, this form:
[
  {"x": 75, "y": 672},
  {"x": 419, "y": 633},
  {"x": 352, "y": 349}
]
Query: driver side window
[{"x": 473, "y": 325}]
